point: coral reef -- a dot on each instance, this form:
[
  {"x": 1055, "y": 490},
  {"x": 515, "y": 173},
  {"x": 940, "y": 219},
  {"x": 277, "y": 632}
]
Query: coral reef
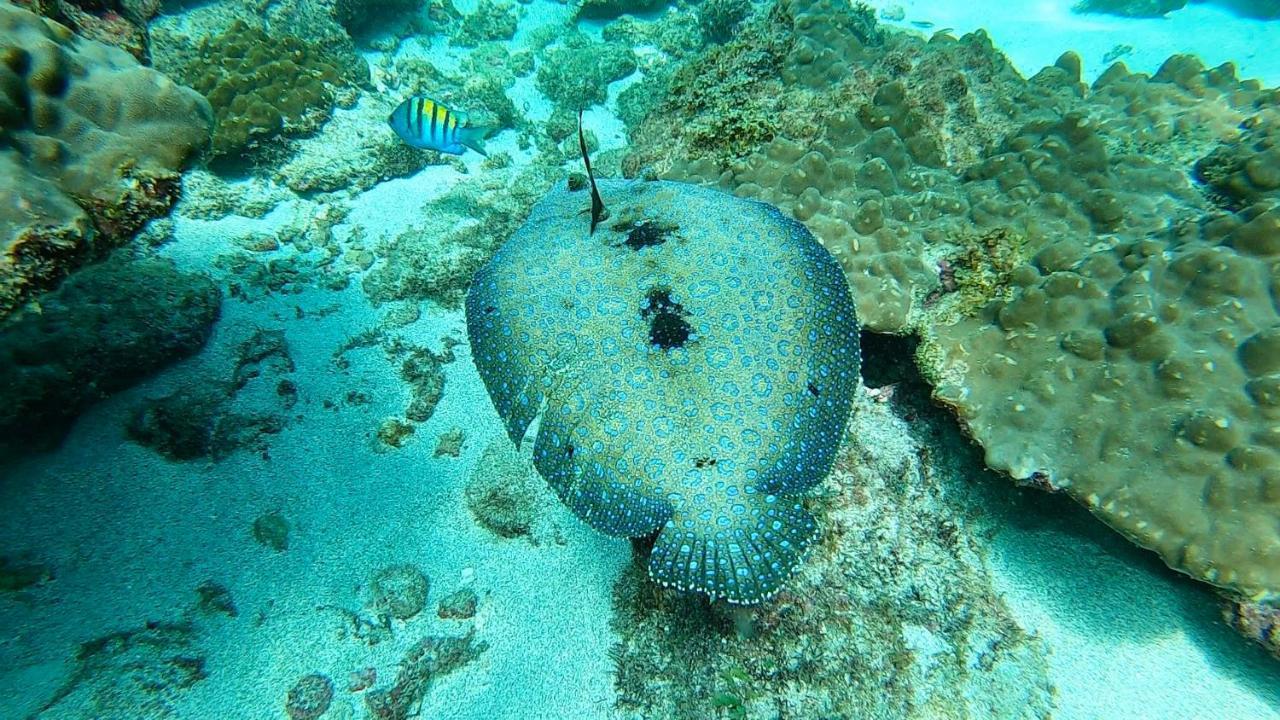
[
  {"x": 719, "y": 18},
  {"x": 999, "y": 234},
  {"x": 575, "y": 72},
  {"x": 1246, "y": 169},
  {"x": 492, "y": 20},
  {"x": 263, "y": 86},
  {"x": 704, "y": 387},
  {"x": 119, "y": 23},
  {"x": 1176, "y": 336},
  {"x": 91, "y": 148},
  {"x": 893, "y": 613},
  {"x": 106, "y": 328},
  {"x": 399, "y": 591}
]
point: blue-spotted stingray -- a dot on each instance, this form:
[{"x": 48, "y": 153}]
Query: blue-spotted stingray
[{"x": 691, "y": 365}]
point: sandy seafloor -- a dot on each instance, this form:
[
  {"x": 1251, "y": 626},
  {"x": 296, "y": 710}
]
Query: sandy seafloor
[{"x": 131, "y": 535}]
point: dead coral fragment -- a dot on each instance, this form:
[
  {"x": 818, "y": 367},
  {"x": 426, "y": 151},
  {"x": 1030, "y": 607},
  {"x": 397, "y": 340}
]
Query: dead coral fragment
[{"x": 430, "y": 658}]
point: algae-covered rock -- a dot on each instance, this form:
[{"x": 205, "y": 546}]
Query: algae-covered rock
[
  {"x": 310, "y": 697},
  {"x": 399, "y": 591},
  {"x": 693, "y": 361},
  {"x": 503, "y": 492},
  {"x": 92, "y": 145},
  {"x": 143, "y": 672},
  {"x": 108, "y": 327},
  {"x": 575, "y": 73}
]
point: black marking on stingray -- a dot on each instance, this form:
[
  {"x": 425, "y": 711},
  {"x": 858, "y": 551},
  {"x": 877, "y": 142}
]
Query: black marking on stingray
[{"x": 667, "y": 326}]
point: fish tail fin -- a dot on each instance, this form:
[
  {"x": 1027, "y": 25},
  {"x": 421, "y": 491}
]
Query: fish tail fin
[
  {"x": 473, "y": 137},
  {"x": 744, "y": 560}
]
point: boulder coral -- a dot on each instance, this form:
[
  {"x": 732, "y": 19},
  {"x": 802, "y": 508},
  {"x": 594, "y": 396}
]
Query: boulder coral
[
  {"x": 91, "y": 148},
  {"x": 693, "y": 362},
  {"x": 264, "y": 86}
]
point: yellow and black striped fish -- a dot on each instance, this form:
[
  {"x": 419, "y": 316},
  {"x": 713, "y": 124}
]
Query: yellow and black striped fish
[{"x": 425, "y": 123}]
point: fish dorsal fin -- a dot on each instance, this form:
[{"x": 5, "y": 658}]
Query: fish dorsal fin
[
  {"x": 597, "y": 205},
  {"x": 462, "y": 117}
]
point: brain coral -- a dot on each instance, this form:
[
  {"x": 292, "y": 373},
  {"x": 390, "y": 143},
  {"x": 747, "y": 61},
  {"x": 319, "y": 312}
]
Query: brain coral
[
  {"x": 1173, "y": 344},
  {"x": 91, "y": 144},
  {"x": 693, "y": 363}
]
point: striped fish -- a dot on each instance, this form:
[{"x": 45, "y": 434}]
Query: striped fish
[{"x": 425, "y": 123}]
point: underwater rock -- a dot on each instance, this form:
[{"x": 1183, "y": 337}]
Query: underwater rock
[
  {"x": 606, "y": 9},
  {"x": 214, "y": 597},
  {"x": 197, "y": 423},
  {"x": 1129, "y": 8},
  {"x": 107, "y": 327},
  {"x": 94, "y": 148},
  {"x": 693, "y": 364},
  {"x": 19, "y": 575},
  {"x": 1258, "y": 621},
  {"x": 309, "y": 698},
  {"x": 399, "y": 591},
  {"x": 449, "y": 443},
  {"x": 393, "y": 433}
]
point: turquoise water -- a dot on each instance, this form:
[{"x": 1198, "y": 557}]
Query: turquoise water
[{"x": 270, "y": 452}]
